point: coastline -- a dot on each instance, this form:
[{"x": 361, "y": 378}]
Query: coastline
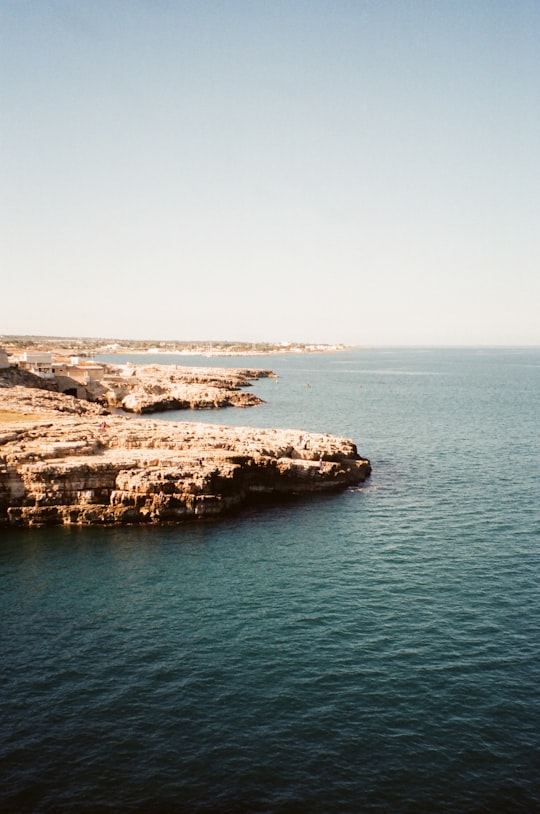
[
  {"x": 90, "y": 347},
  {"x": 93, "y": 469},
  {"x": 70, "y": 461}
]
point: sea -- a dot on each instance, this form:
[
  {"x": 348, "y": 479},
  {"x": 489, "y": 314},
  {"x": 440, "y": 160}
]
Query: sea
[{"x": 375, "y": 650}]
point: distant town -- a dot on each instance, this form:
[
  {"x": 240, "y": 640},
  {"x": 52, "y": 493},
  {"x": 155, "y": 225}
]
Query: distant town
[{"x": 88, "y": 347}]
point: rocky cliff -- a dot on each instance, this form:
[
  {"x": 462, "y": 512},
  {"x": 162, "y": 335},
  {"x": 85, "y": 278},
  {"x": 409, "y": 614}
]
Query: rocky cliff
[
  {"x": 153, "y": 388},
  {"x": 147, "y": 388},
  {"x": 74, "y": 466}
]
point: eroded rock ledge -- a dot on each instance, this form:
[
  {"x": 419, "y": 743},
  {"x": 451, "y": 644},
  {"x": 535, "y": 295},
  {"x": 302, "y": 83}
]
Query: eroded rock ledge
[
  {"x": 154, "y": 388},
  {"x": 64, "y": 460},
  {"x": 146, "y": 388},
  {"x": 87, "y": 469},
  {"x": 146, "y": 472}
]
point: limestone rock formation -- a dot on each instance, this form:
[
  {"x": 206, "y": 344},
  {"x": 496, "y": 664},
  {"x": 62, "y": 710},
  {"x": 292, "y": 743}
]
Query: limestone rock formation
[
  {"x": 82, "y": 468},
  {"x": 147, "y": 388},
  {"x": 65, "y": 460},
  {"x": 153, "y": 388},
  {"x": 25, "y": 401}
]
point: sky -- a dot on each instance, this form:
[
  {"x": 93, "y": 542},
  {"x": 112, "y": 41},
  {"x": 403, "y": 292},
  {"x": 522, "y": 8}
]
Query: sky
[{"x": 356, "y": 171}]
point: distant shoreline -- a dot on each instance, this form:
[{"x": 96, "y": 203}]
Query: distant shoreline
[
  {"x": 84, "y": 346},
  {"x": 211, "y": 353}
]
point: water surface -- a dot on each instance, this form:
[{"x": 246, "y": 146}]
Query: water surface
[{"x": 377, "y": 650}]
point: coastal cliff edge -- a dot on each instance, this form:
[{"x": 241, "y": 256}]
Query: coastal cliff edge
[{"x": 68, "y": 462}]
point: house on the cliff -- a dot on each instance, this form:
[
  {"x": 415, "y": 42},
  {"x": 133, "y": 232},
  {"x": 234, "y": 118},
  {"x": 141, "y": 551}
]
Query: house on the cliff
[
  {"x": 84, "y": 372},
  {"x": 74, "y": 375},
  {"x": 37, "y": 362},
  {"x": 71, "y": 374},
  {"x": 76, "y": 368}
]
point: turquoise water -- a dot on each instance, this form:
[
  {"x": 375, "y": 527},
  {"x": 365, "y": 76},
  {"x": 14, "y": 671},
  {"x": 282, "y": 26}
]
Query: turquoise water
[{"x": 377, "y": 650}]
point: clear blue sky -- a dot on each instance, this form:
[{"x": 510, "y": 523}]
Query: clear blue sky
[{"x": 349, "y": 171}]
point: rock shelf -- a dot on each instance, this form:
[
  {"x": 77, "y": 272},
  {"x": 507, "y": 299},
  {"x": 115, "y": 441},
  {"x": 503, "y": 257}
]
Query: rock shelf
[
  {"x": 68, "y": 461},
  {"x": 87, "y": 470},
  {"x": 147, "y": 388},
  {"x": 153, "y": 388}
]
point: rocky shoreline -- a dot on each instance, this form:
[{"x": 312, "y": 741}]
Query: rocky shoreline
[
  {"x": 154, "y": 388},
  {"x": 146, "y": 388},
  {"x": 67, "y": 461}
]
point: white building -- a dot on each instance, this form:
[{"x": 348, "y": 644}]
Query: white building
[
  {"x": 38, "y": 362},
  {"x": 4, "y": 362}
]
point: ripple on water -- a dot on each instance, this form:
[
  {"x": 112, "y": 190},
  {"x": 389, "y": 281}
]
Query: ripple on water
[{"x": 375, "y": 650}]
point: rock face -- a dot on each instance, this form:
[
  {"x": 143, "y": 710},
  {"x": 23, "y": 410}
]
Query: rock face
[
  {"x": 74, "y": 467},
  {"x": 27, "y": 400},
  {"x": 149, "y": 389}
]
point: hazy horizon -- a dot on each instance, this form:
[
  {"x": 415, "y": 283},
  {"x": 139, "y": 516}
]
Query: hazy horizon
[
  {"x": 273, "y": 342},
  {"x": 363, "y": 173}
]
